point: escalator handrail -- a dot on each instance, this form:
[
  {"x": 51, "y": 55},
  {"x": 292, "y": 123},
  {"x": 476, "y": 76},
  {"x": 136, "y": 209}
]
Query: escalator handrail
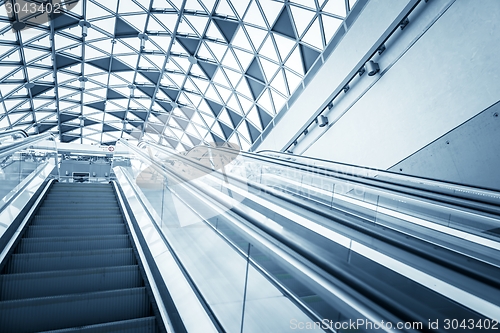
[
  {"x": 390, "y": 174},
  {"x": 438, "y": 191},
  {"x": 216, "y": 198},
  {"x": 238, "y": 179},
  {"x": 16, "y": 131},
  {"x": 16, "y": 146},
  {"x": 293, "y": 200},
  {"x": 285, "y": 159},
  {"x": 168, "y": 173}
]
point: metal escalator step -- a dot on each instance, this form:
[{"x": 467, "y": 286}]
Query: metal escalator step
[
  {"x": 62, "y": 230},
  {"x": 77, "y": 193},
  {"x": 81, "y": 186},
  {"x": 93, "y": 219},
  {"x": 60, "y": 244},
  {"x": 53, "y": 261},
  {"x": 87, "y": 187},
  {"x": 68, "y": 211},
  {"x": 82, "y": 189},
  {"x": 78, "y": 204},
  {"x": 75, "y": 269},
  {"x": 74, "y": 198},
  {"x": 140, "y": 325},
  {"x": 81, "y": 195},
  {"x": 60, "y": 312},
  {"x": 56, "y": 283}
]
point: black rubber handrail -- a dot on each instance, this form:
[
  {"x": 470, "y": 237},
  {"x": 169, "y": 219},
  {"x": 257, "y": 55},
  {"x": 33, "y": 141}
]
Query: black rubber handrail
[
  {"x": 16, "y": 131},
  {"x": 485, "y": 200}
]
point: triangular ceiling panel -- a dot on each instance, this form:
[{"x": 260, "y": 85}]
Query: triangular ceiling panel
[
  {"x": 227, "y": 28},
  {"x": 255, "y": 71},
  {"x": 309, "y": 56},
  {"x": 284, "y": 24},
  {"x": 149, "y": 91},
  {"x": 64, "y": 21},
  {"x": 123, "y": 29},
  {"x": 190, "y": 44},
  {"x": 64, "y": 61},
  {"x": 219, "y": 70},
  {"x": 112, "y": 94},
  {"x": 208, "y": 68}
]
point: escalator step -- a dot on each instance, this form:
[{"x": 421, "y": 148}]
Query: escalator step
[
  {"x": 81, "y": 189},
  {"x": 76, "y": 200},
  {"x": 62, "y": 198},
  {"x": 71, "y": 211},
  {"x": 56, "y": 283},
  {"x": 78, "y": 194},
  {"x": 78, "y": 204},
  {"x": 82, "y": 186},
  {"x": 75, "y": 230},
  {"x": 75, "y": 220},
  {"x": 59, "y": 312},
  {"x": 75, "y": 269},
  {"x": 44, "y": 262},
  {"x": 59, "y": 244},
  {"x": 140, "y": 325}
]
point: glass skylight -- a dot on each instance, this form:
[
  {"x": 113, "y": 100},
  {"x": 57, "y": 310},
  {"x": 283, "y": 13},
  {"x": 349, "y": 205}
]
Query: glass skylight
[{"x": 177, "y": 72}]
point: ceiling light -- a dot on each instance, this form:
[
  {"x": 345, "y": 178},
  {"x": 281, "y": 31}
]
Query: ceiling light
[
  {"x": 18, "y": 26},
  {"x": 144, "y": 38},
  {"x": 132, "y": 88},
  {"x": 381, "y": 49},
  {"x": 372, "y": 68},
  {"x": 323, "y": 121},
  {"x": 85, "y": 27},
  {"x": 82, "y": 82}
]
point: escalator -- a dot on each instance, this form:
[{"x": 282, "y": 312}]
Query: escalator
[
  {"x": 74, "y": 267},
  {"x": 382, "y": 241}
]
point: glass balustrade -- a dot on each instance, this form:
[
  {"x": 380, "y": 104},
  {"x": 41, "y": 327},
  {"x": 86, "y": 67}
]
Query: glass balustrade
[{"x": 21, "y": 160}]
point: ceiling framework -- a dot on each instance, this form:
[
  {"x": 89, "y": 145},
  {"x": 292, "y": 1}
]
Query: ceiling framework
[{"x": 179, "y": 73}]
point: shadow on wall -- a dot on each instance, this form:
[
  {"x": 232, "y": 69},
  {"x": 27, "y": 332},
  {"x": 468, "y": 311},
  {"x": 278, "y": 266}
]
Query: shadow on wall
[{"x": 469, "y": 154}]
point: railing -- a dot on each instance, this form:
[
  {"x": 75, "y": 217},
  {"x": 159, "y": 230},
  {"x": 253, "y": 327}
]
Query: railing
[
  {"x": 426, "y": 187},
  {"x": 14, "y": 133},
  {"x": 223, "y": 263},
  {"x": 9, "y": 137},
  {"x": 21, "y": 160},
  {"x": 457, "y": 210},
  {"x": 461, "y": 230}
]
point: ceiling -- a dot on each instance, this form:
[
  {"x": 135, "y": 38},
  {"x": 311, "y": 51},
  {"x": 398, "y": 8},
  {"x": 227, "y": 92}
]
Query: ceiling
[{"x": 177, "y": 72}]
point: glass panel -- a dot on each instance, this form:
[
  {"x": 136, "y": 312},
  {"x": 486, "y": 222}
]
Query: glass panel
[
  {"x": 218, "y": 271},
  {"x": 211, "y": 244},
  {"x": 21, "y": 160},
  {"x": 267, "y": 293}
]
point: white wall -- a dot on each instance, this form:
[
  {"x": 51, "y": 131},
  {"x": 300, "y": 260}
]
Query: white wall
[{"x": 448, "y": 76}]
